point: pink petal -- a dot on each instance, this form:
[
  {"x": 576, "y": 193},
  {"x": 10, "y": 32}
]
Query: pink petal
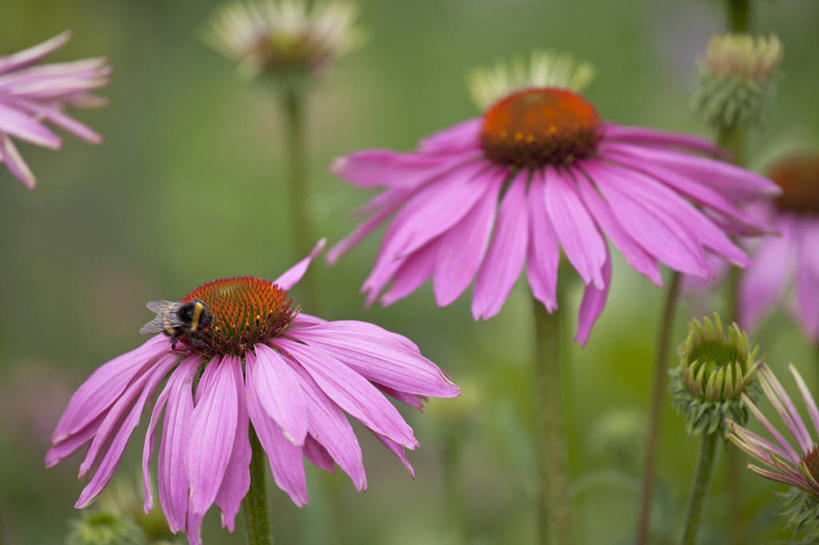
[
  {"x": 211, "y": 438},
  {"x": 15, "y": 162},
  {"x": 237, "y": 476},
  {"x": 458, "y": 138},
  {"x": 171, "y": 476},
  {"x": 379, "y": 167},
  {"x": 637, "y": 257},
  {"x": 807, "y": 278},
  {"x": 578, "y": 235},
  {"x": 110, "y": 460},
  {"x": 106, "y": 384},
  {"x": 503, "y": 263},
  {"x": 592, "y": 304},
  {"x": 764, "y": 281},
  {"x": 370, "y": 352},
  {"x": 285, "y": 458},
  {"x": 292, "y": 275},
  {"x": 398, "y": 451},
  {"x": 651, "y": 137},
  {"x": 318, "y": 455},
  {"x": 72, "y": 444},
  {"x": 20, "y": 125},
  {"x": 350, "y": 391},
  {"x": 416, "y": 269},
  {"x": 33, "y": 54},
  {"x": 149, "y": 447},
  {"x": 277, "y": 387},
  {"x": 461, "y": 249},
  {"x": 543, "y": 254}
]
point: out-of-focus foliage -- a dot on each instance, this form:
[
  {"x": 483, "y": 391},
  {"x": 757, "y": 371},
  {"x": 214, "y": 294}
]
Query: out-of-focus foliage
[{"x": 187, "y": 187}]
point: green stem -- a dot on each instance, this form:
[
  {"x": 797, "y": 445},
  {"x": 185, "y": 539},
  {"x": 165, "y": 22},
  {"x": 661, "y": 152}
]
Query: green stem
[
  {"x": 699, "y": 490},
  {"x": 255, "y": 503},
  {"x": 739, "y": 15},
  {"x": 658, "y": 395},
  {"x": 554, "y": 502},
  {"x": 293, "y": 101}
]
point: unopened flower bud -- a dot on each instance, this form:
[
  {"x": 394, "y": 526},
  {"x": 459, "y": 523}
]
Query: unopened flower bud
[
  {"x": 105, "y": 528},
  {"x": 737, "y": 80},
  {"x": 717, "y": 366}
]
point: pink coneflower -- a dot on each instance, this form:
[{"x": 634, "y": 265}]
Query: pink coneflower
[
  {"x": 793, "y": 257},
  {"x": 31, "y": 96},
  {"x": 540, "y": 174},
  {"x": 259, "y": 360}
]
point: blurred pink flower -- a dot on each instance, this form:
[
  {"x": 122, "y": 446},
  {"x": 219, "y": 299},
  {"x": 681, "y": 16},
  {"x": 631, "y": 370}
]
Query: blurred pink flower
[
  {"x": 32, "y": 95},
  {"x": 793, "y": 257},
  {"x": 301, "y": 374},
  {"x": 565, "y": 180}
]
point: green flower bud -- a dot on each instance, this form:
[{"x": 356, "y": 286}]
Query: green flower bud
[
  {"x": 104, "y": 528},
  {"x": 737, "y": 80},
  {"x": 717, "y": 366},
  {"x": 802, "y": 515}
]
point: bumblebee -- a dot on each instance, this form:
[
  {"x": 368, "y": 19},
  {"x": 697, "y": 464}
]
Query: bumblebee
[{"x": 178, "y": 320}]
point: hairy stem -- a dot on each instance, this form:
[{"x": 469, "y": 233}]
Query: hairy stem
[
  {"x": 658, "y": 396},
  {"x": 293, "y": 101},
  {"x": 553, "y": 502},
  {"x": 255, "y": 503},
  {"x": 699, "y": 490}
]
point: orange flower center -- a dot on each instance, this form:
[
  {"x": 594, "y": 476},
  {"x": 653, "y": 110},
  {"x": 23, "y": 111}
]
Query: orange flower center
[
  {"x": 540, "y": 126},
  {"x": 245, "y": 311},
  {"x": 798, "y": 177}
]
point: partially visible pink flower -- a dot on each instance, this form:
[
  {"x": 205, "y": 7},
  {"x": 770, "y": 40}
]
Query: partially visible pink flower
[
  {"x": 791, "y": 458},
  {"x": 262, "y": 363},
  {"x": 787, "y": 266},
  {"x": 538, "y": 177},
  {"x": 31, "y": 96}
]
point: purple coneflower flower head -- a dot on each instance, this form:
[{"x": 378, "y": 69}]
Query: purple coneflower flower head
[
  {"x": 285, "y": 37},
  {"x": 790, "y": 456},
  {"x": 540, "y": 174},
  {"x": 262, "y": 363},
  {"x": 33, "y": 96},
  {"x": 792, "y": 259}
]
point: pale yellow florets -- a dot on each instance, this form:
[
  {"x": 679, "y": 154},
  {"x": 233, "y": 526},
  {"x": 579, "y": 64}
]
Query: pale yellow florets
[{"x": 544, "y": 69}]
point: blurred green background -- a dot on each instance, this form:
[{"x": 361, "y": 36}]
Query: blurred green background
[{"x": 187, "y": 187}]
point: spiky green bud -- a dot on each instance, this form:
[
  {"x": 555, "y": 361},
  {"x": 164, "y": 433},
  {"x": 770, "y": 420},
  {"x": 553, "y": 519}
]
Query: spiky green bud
[
  {"x": 717, "y": 366},
  {"x": 737, "y": 80},
  {"x": 802, "y": 515},
  {"x": 544, "y": 69},
  {"x": 104, "y": 528}
]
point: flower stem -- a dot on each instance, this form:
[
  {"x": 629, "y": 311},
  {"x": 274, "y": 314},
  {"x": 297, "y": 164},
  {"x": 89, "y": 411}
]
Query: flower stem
[
  {"x": 553, "y": 502},
  {"x": 658, "y": 395},
  {"x": 255, "y": 503},
  {"x": 293, "y": 103},
  {"x": 699, "y": 491},
  {"x": 739, "y": 15}
]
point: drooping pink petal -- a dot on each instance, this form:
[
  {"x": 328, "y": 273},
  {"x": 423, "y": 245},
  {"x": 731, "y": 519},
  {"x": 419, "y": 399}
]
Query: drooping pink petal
[
  {"x": 71, "y": 444},
  {"x": 416, "y": 269},
  {"x": 285, "y": 458},
  {"x": 237, "y": 475},
  {"x": 62, "y": 120},
  {"x": 33, "y": 54},
  {"x": 278, "y": 390},
  {"x": 810, "y": 403},
  {"x": 653, "y": 193},
  {"x": 414, "y": 400},
  {"x": 397, "y": 450},
  {"x": 15, "y": 162},
  {"x": 318, "y": 455},
  {"x": 655, "y": 138},
  {"x": 171, "y": 476},
  {"x": 211, "y": 438},
  {"x": 637, "y": 257},
  {"x": 543, "y": 254},
  {"x": 783, "y": 405},
  {"x": 106, "y": 384},
  {"x": 429, "y": 213},
  {"x": 369, "y": 351},
  {"x": 454, "y": 139},
  {"x": 110, "y": 460},
  {"x": 328, "y": 425},
  {"x": 764, "y": 281},
  {"x": 592, "y": 304},
  {"x": 350, "y": 391},
  {"x": 792, "y": 455},
  {"x": 735, "y": 183},
  {"x": 578, "y": 235},
  {"x": 504, "y": 261},
  {"x": 379, "y": 167},
  {"x": 149, "y": 447},
  {"x": 295, "y": 273},
  {"x": 17, "y": 124},
  {"x": 462, "y": 248},
  {"x": 657, "y": 233}
]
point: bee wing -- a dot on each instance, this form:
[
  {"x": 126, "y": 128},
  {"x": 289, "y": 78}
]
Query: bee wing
[
  {"x": 159, "y": 305},
  {"x": 154, "y": 326}
]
